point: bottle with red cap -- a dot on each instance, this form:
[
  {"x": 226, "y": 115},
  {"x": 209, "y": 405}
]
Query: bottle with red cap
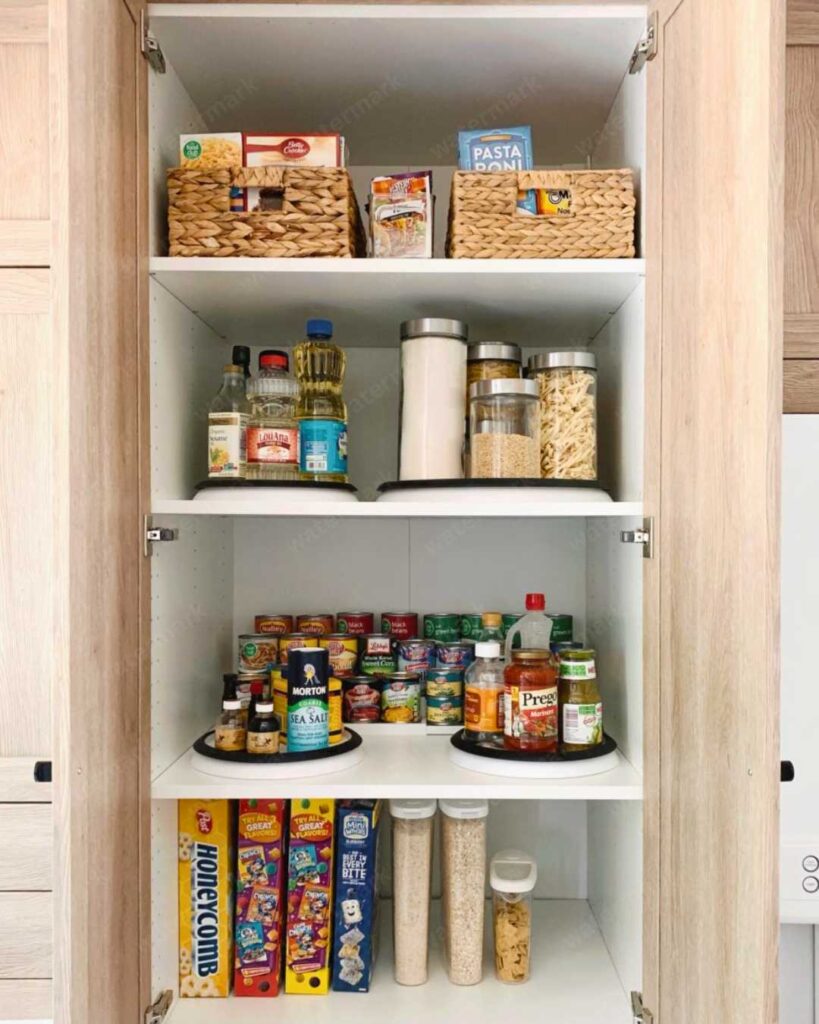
[
  {"x": 534, "y": 628},
  {"x": 273, "y": 430}
]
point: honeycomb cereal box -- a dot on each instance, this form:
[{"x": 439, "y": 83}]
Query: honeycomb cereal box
[
  {"x": 309, "y": 897},
  {"x": 206, "y": 829},
  {"x": 356, "y": 903},
  {"x": 260, "y": 894}
]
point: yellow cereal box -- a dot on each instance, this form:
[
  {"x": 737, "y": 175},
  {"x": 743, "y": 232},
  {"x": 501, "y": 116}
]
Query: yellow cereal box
[
  {"x": 206, "y": 831},
  {"x": 309, "y": 897}
]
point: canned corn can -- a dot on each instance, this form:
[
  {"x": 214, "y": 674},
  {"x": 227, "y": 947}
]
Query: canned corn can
[
  {"x": 355, "y": 623},
  {"x": 471, "y": 625},
  {"x": 401, "y": 625},
  {"x": 343, "y": 652},
  {"x": 258, "y": 652},
  {"x": 294, "y": 640},
  {"x": 361, "y": 699},
  {"x": 319, "y": 624},
  {"x": 416, "y": 655},
  {"x": 458, "y": 654},
  {"x": 444, "y": 711},
  {"x": 445, "y": 682},
  {"x": 274, "y": 623},
  {"x": 444, "y": 627},
  {"x": 379, "y": 655},
  {"x": 401, "y": 698}
]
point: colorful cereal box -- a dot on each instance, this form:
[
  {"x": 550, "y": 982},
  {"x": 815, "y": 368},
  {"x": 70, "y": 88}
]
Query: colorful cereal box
[
  {"x": 356, "y": 904},
  {"x": 206, "y": 829},
  {"x": 309, "y": 897},
  {"x": 260, "y": 897}
]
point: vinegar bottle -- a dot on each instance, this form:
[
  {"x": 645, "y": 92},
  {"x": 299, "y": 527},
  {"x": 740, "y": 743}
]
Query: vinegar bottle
[{"x": 534, "y": 628}]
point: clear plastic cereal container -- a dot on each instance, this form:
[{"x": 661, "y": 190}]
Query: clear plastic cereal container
[
  {"x": 512, "y": 876},
  {"x": 412, "y": 826},
  {"x": 463, "y": 864}
]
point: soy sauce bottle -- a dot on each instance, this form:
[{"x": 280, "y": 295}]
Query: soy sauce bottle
[{"x": 263, "y": 730}]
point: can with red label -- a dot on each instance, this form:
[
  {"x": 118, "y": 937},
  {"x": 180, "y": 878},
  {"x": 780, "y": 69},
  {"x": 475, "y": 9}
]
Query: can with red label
[
  {"x": 361, "y": 698},
  {"x": 320, "y": 624},
  {"x": 402, "y": 625},
  {"x": 357, "y": 623},
  {"x": 274, "y": 623}
]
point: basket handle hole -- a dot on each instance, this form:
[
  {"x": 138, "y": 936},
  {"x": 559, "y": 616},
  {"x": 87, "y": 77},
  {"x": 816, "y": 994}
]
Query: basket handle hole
[{"x": 271, "y": 198}]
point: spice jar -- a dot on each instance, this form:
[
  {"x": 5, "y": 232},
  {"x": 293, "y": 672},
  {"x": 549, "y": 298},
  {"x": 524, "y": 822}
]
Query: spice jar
[
  {"x": 492, "y": 360},
  {"x": 412, "y": 826},
  {"x": 581, "y": 709},
  {"x": 512, "y": 877},
  {"x": 567, "y": 385},
  {"x": 230, "y": 731},
  {"x": 263, "y": 730},
  {"x": 433, "y": 378},
  {"x": 463, "y": 880},
  {"x": 530, "y": 702},
  {"x": 504, "y": 431}
]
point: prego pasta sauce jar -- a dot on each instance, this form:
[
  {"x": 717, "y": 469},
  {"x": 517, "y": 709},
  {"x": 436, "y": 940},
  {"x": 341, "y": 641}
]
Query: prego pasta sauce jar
[{"x": 530, "y": 720}]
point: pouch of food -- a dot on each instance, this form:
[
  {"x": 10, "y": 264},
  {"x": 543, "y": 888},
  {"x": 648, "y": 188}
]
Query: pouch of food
[
  {"x": 401, "y": 215},
  {"x": 356, "y": 899}
]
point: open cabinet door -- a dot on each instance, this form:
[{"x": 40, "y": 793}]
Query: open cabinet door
[
  {"x": 714, "y": 328},
  {"x": 101, "y": 808}
]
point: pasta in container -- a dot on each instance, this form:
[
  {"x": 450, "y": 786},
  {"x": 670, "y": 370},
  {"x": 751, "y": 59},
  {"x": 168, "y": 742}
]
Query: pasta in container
[{"x": 567, "y": 383}]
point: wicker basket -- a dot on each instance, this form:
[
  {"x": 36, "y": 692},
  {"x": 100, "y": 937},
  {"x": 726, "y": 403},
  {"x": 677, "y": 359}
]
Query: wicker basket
[
  {"x": 318, "y": 216},
  {"x": 484, "y": 222}
]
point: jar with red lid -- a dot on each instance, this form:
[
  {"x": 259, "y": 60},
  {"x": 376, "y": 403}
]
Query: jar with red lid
[{"x": 530, "y": 702}]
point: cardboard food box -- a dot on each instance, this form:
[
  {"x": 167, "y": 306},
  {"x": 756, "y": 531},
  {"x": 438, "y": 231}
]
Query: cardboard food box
[
  {"x": 288, "y": 151},
  {"x": 309, "y": 897},
  {"x": 356, "y": 902},
  {"x": 499, "y": 149},
  {"x": 208, "y": 151},
  {"x": 260, "y": 897},
  {"x": 206, "y": 830}
]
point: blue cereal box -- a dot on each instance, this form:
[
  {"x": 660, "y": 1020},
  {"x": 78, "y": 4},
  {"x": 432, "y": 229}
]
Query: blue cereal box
[
  {"x": 499, "y": 149},
  {"x": 354, "y": 932}
]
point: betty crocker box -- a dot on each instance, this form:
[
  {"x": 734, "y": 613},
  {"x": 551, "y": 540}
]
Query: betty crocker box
[
  {"x": 356, "y": 903},
  {"x": 206, "y": 829},
  {"x": 260, "y": 895},
  {"x": 309, "y": 896}
]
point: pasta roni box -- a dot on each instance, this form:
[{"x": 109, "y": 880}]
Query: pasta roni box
[
  {"x": 309, "y": 897},
  {"x": 206, "y": 829},
  {"x": 260, "y": 895},
  {"x": 354, "y": 928},
  {"x": 500, "y": 149}
]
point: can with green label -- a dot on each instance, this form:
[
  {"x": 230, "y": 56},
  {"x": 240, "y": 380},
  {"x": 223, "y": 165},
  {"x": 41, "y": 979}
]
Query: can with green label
[
  {"x": 562, "y": 627},
  {"x": 444, "y": 627},
  {"x": 471, "y": 626},
  {"x": 508, "y": 619}
]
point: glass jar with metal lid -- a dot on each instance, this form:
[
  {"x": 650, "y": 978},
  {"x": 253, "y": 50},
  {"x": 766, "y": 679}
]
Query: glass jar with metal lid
[
  {"x": 567, "y": 384},
  {"x": 504, "y": 430},
  {"x": 492, "y": 360}
]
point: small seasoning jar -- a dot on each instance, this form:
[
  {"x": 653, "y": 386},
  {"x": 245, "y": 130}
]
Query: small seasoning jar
[
  {"x": 492, "y": 360},
  {"x": 412, "y": 829},
  {"x": 504, "y": 430},
  {"x": 230, "y": 733},
  {"x": 263, "y": 730},
  {"x": 512, "y": 877},
  {"x": 463, "y": 880},
  {"x": 581, "y": 708},
  {"x": 530, "y": 720},
  {"x": 567, "y": 385}
]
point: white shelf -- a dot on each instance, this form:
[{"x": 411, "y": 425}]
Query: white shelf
[
  {"x": 400, "y": 765},
  {"x": 573, "y": 980},
  {"x": 265, "y": 301}
]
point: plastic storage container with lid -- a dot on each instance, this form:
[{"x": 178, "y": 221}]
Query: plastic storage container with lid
[
  {"x": 412, "y": 827},
  {"x": 504, "y": 429},
  {"x": 433, "y": 410},
  {"x": 567, "y": 384},
  {"x": 512, "y": 878},
  {"x": 492, "y": 360},
  {"x": 463, "y": 880}
]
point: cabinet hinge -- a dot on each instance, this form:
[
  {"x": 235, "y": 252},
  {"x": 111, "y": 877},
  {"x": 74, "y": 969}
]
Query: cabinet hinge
[
  {"x": 640, "y": 1013},
  {"x": 152, "y": 534},
  {"x": 157, "y": 1011},
  {"x": 644, "y": 536},
  {"x": 151, "y": 50},
  {"x": 646, "y": 49}
]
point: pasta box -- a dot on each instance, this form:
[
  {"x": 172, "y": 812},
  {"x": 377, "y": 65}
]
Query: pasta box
[
  {"x": 499, "y": 149},
  {"x": 356, "y": 905}
]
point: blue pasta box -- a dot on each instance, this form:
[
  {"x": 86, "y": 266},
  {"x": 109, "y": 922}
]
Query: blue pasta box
[
  {"x": 499, "y": 149},
  {"x": 356, "y": 899}
]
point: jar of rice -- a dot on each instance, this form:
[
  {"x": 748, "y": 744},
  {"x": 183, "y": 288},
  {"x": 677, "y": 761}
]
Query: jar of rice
[
  {"x": 567, "y": 385},
  {"x": 463, "y": 880},
  {"x": 412, "y": 826}
]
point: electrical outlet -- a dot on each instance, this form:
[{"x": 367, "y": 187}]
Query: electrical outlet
[{"x": 799, "y": 871}]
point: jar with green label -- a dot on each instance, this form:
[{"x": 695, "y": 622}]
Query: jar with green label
[{"x": 581, "y": 708}]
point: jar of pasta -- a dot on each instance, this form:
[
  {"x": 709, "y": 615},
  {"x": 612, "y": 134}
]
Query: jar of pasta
[
  {"x": 463, "y": 880},
  {"x": 512, "y": 877},
  {"x": 567, "y": 385},
  {"x": 492, "y": 360}
]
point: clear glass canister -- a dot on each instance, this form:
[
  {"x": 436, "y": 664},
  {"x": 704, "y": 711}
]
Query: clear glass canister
[
  {"x": 512, "y": 877},
  {"x": 504, "y": 430},
  {"x": 492, "y": 360},
  {"x": 463, "y": 880},
  {"x": 412, "y": 827},
  {"x": 567, "y": 384}
]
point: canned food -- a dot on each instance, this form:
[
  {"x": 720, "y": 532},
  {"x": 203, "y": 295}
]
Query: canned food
[
  {"x": 445, "y": 627},
  {"x": 279, "y": 625},
  {"x": 280, "y": 700},
  {"x": 445, "y": 682},
  {"x": 336, "y": 727},
  {"x": 402, "y": 625},
  {"x": 258, "y": 652},
  {"x": 508, "y": 619},
  {"x": 379, "y": 655},
  {"x": 562, "y": 627},
  {"x": 361, "y": 699},
  {"x": 416, "y": 655},
  {"x": 319, "y": 624},
  {"x": 357, "y": 623},
  {"x": 471, "y": 626},
  {"x": 455, "y": 655},
  {"x": 294, "y": 640},
  {"x": 565, "y": 645},
  {"x": 401, "y": 697},
  {"x": 343, "y": 651},
  {"x": 444, "y": 711},
  {"x": 244, "y": 682}
]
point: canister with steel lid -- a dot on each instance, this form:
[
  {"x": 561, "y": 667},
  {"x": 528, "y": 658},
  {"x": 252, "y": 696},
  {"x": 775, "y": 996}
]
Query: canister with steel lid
[
  {"x": 567, "y": 387},
  {"x": 492, "y": 360}
]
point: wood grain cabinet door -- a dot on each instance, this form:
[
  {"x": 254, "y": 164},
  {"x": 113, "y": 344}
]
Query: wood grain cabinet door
[{"x": 714, "y": 393}]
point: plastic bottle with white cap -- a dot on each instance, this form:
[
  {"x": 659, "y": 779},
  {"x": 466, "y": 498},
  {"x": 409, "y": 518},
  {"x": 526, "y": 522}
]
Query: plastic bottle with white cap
[
  {"x": 512, "y": 877},
  {"x": 412, "y": 827},
  {"x": 463, "y": 876}
]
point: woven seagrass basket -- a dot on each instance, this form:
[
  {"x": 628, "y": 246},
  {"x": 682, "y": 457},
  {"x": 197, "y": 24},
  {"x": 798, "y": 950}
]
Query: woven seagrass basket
[
  {"x": 484, "y": 221},
  {"x": 318, "y": 216}
]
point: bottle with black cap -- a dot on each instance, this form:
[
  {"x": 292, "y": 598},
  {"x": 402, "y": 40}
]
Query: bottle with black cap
[{"x": 241, "y": 357}]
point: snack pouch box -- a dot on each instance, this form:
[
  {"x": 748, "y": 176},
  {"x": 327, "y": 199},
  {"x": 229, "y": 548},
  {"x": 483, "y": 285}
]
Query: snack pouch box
[
  {"x": 356, "y": 902},
  {"x": 207, "y": 151},
  {"x": 309, "y": 897},
  {"x": 260, "y": 897},
  {"x": 288, "y": 151},
  {"x": 206, "y": 830},
  {"x": 500, "y": 149}
]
